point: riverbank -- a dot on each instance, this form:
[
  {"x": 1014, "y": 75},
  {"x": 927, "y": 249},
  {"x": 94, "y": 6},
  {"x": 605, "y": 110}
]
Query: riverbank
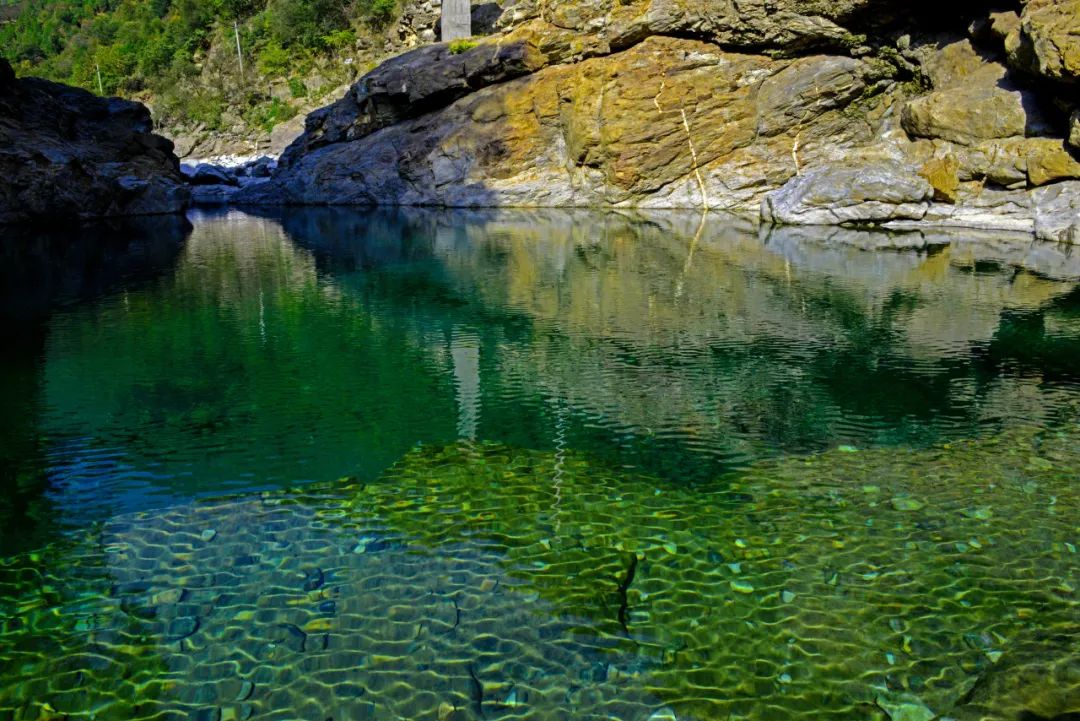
[{"x": 834, "y": 119}]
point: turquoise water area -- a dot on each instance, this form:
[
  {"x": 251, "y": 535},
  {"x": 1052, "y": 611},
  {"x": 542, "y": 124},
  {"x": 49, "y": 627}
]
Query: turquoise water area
[{"x": 536, "y": 465}]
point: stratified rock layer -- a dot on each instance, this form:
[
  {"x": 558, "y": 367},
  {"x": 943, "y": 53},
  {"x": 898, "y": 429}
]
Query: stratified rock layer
[{"x": 67, "y": 154}]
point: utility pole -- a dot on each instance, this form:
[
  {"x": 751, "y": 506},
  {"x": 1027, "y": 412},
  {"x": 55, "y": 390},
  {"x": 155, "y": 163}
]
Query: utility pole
[
  {"x": 100, "y": 87},
  {"x": 239, "y": 57}
]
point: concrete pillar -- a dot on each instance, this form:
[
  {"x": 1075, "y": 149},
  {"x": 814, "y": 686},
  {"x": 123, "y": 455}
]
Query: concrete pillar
[
  {"x": 465, "y": 352},
  {"x": 456, "y": 19}
]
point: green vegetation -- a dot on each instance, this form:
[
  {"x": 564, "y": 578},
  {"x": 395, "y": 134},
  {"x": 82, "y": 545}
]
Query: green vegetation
[
  {"x": 459, "y": 46},
  {"x": 297, "y": 88},
  {"x": 180, "y": 55}
]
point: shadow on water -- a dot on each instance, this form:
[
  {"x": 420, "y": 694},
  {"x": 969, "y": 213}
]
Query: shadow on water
[
  {"x": 42, "y": 270},
  {"x": 45, "y": 268}
]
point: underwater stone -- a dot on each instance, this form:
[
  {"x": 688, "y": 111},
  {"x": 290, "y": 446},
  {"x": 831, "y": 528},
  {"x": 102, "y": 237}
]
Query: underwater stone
[
  {"x": 905, "y": 708},
  {"x": 208, "y": 535},
  {"x": 663, "y": 714},
  {"x": 173, "y": 595},
  {"x": 597, "y": 673},
  {"x": 246, "y": 689},
  {"x": 906, "y": 504},
  {"x": 181, "y": 628},
  {"x": 296, "y": 637},
  {"x": 741, "y": 587},
  {"x": 787, "y": 596},
  {"x": 314, "y": 580}
]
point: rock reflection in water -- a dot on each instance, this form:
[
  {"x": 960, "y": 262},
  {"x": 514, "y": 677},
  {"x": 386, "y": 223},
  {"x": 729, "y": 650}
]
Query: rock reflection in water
[
  {"x": 767, "y": 475},
  {"x": 327, "y": 342}
]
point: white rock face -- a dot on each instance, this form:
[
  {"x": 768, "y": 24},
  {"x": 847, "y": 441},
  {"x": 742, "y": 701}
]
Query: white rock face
[
  {"x": 863, "y": 193},
  {"x": 1057, "y": 212}
]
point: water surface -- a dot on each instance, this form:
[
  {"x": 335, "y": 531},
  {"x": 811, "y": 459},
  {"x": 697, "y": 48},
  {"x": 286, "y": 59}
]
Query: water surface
[{"x": 594, "y": 465}]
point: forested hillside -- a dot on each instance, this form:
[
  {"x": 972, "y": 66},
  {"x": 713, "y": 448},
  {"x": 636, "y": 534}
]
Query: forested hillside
[{"x": 181, "y": 55}]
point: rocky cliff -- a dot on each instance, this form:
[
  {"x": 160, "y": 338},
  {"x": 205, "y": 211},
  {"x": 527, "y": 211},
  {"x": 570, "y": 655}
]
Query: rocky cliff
[
  {"x": 802, "y": 111},
  {"x": 68, "y": 154}
]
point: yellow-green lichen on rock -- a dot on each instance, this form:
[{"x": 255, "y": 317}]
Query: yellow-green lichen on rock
[{"x": 1047, "y": 43}]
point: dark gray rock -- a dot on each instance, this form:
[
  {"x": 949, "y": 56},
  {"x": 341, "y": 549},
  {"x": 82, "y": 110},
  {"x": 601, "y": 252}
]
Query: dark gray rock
[
  {"x": 410, "y": 85},
  {"x": 258, "y": 168},
  {"x": 67, "y": 154},
  {"x": 213, "y": 194},
  {"x": 208, "y": 174}
]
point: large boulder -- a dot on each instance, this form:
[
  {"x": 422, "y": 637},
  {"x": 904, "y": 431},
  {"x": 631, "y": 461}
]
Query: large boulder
[
  {"x": 858, "y": 193},
  {"x": 1057, "y": 213},
  {"x": 787, "y": 25},
  {"x": 667, "y": 123},
  {"x": 541, "y": 34},
  {"x": 411, "y": 84},
  {"x": 68, "y": 154},
  {"x": 1047, "y": 41},
  {"x": 802, "y": 112},
  {"x": 973, "y": 99},
  {"x": 967, "y": 114}
]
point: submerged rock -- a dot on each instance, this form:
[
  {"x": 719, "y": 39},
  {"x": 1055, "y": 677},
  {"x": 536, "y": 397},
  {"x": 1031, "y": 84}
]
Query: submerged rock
[
  {"x": 665, "y": 713},
  {"x": 905, "y": 707},
  {"x": 67, "y": 154},
  {"x": 906, "y": 504},
  {"x": 181, "y": 628},
  {"x": 1038, "y": 677}
]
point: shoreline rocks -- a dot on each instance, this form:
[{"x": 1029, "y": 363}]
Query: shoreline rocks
[
  {"x": 608, "y": 106},
  {"x": 66, "y": 154},
  {"x": 796, "y": 120},
  {"x": 838, "y": 195}
]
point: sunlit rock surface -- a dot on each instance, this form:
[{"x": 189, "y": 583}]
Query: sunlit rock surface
[{"x": 613, "y": 104}]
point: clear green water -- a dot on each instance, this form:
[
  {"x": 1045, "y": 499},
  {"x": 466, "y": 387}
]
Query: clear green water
[{"x": 557, "y": 465}]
